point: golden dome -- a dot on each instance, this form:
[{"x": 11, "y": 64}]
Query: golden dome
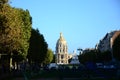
[{"x": 61, "y": 40}]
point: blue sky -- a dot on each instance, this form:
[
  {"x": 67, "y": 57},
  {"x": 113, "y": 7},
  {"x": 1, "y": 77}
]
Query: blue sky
[{"x": 82, "y": 22}]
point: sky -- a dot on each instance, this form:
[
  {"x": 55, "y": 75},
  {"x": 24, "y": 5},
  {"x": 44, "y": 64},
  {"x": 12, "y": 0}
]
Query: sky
[{"x": 82, "y": 22}]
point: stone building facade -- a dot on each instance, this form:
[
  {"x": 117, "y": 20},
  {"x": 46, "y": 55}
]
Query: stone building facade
[
  {"x": 106, "y": 43},
  {"x": 61, "y": 51}
]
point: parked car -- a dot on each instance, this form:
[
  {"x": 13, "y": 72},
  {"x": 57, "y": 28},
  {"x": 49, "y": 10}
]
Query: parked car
[
  {"x": 53, "y": 65},
  {"x": 109, "y": 67},
  {"x": 99, "y": 65}
]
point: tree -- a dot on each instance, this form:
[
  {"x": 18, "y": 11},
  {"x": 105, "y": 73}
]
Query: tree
[
  {"x": 38, "y": 47},
  {"x": 9, "y": 30},
  {"x": 95, "y": 56},
  {"x": 49, "y": 57},
  {"x": 25, "y": 33},
  {"x": 15, "y": 29},
  {"x": 116, "y": 48},
  {"x": 3, "y": 1},
  {"x": 53, "y": 61},
  {"x": 105, "y": 56},
  {"x": 88, "y": 56}
]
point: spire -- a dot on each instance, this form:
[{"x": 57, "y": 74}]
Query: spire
[{"x": 61, "y": 34}]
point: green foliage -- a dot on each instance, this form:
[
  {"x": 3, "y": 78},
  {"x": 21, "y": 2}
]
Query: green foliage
[
  {"x": 38, "y": 47},
  {"x": 53, "y": 61},
  {"x": 104, "y": 56},
  {"x": 9, "y": 30},
  {"x": 88, "y": 56},
  {"x": 3, "y": 1},
  {"x": 116, "y": 48},
  {"x": 25, "y": 31},
  {"x": 15, "y": 29},
  {"x": 49, "y": 57},
  {"x": 95, "y": 56}
]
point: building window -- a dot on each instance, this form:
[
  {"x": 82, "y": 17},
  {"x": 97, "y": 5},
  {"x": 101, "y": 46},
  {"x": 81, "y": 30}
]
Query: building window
[
  {"x": 63, "y": 50},
  {"x": 62, "y": 61},
  {"x": 60, "y": 45},
  {"x": 62, "y": 56},
  {"x": 58, "y": 61},
  {"x": 60, "y": 50}
]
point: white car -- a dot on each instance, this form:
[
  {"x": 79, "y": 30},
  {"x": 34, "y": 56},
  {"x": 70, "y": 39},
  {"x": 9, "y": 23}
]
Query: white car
[
  {"x": 109, "y": 67},
  {"x": 53, "y": 65}
]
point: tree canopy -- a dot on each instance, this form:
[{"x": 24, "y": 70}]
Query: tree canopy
[
  {"x": 49, "y": 57},
  {"x": 3, "y": 1},
  {"x": 116, "y": 48},
  {"x": 88, "y": 56},
  {"x": 38, "y": 47},
  {"x": 95, "y": 56},
  {"x": 104, "y": 56},
  {"x": 15, "y": 30}
]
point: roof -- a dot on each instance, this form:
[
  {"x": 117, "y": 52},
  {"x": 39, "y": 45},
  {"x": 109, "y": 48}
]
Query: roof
[{"x": 61, "y": 40}]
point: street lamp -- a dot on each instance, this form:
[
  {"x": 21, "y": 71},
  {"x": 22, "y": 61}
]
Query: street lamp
[{"x": 80, "y": 49}]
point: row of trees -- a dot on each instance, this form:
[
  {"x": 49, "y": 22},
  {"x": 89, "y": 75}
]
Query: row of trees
[
  {"x": 18, "y": 40},
  {"x": 97, "y": 56}
]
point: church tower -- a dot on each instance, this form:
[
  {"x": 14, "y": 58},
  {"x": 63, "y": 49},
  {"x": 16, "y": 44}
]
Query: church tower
[{"x": 61, "y": 51}]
